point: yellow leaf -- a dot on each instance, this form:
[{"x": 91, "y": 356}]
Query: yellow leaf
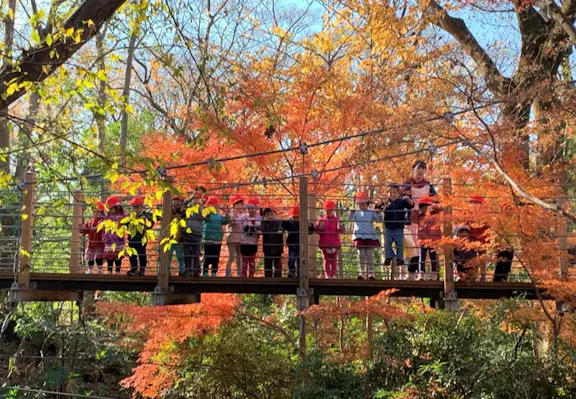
[
  {"x": 11, "y": 13},
  {"x": 102, "y": 75},
  {"x": 35, "y": 36},
  {"x": 49, "y": 39}
]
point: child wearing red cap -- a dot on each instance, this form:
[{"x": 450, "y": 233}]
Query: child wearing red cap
[
  {"x": 272, "y": 243},
  {"x": 140, "y": 222},
  {"x": 365, "y": 236},
  {"x": 292, "y": 227},
  {"x": 329, "y": 229},
  {"x": 95, "y": 250},
  {"x": 249, "y": 243},
  {"x": 113, "y": 236},
  {"x": 213, "y": 234},
  {"x": 235, "y": 235}
]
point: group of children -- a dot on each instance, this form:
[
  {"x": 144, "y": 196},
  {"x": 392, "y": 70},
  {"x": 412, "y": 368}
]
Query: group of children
[
  {"x": 201, "y": 222},
  {"x": 110, "y": 229}
]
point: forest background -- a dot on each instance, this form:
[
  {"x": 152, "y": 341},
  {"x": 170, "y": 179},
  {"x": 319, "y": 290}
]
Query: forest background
[{"x": 118, "y": 91}]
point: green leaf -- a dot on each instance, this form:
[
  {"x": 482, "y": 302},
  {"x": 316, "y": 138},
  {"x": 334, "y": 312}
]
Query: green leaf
[
  {"x": 49, "y": 39},
  {"x": 35, "y": 36}
]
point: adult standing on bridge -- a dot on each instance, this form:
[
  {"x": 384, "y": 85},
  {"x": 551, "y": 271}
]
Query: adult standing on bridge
[{"x": 416, "y": 187}]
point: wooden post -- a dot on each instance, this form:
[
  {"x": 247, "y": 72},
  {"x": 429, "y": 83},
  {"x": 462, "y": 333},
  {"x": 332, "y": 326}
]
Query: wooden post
[
  {"x": 164, "y": 256},
  {"x": 75, "y": 265},
  {"x": 340, "y": 214},
  {"x": 312, "y": 238},
  {"x": 449, "y": 287},
  {"x": 304, "y": 293},
  {"x": 562, "y": 233},
  {"x": 27, "y": 224}
]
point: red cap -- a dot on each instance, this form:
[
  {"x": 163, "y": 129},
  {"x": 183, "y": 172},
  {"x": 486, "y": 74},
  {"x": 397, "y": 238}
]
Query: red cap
[
  {"x": 252, "y": 202},
  {"x": 235, "y": 199},
  {"x": 179, "y": 197},
  {"x": 362, "y": 197},
  {"x": 112, "y": 201},
  {"x": 212, "y": 201},
  {"x": 294, "y": 210},
  {"x": 329, "y": 204},
  {"x": 476, "y": 199},
  {"x": 99, "y": 205},
  {"x": 136, "y": 201},
  {"x": 425, "y": 201}
]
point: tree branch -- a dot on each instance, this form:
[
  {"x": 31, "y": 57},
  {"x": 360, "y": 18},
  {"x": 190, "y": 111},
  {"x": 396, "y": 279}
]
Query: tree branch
[
  {"x": 458, "y": 29},
  {"x": 36, "y": 64}
]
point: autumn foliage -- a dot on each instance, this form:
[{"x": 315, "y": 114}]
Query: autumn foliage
[{"x": 162, "y": 329}]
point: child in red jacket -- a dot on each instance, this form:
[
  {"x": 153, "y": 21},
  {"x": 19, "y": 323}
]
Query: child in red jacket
[
  {"x": 329, "y": 230},
  {"x": 95, "y": 250}
]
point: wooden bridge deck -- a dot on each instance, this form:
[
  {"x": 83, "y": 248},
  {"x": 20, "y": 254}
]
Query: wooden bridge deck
[{"x": 280, "y": 286}]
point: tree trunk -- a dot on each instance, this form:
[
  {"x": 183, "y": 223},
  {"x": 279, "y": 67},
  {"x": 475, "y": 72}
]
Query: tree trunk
[
  {"x": 101, "y": 101},
  {"x": 8, "y": 42},
  {"x": 126, "y": 93},
  {"x": 38, "y": 63}
]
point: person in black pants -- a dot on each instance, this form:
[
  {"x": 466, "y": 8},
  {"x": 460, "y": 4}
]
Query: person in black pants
[
  {"x": 273, "y": 243},
  {"x": 141, "y": 223},
  {"x": 503, "y": 264}
]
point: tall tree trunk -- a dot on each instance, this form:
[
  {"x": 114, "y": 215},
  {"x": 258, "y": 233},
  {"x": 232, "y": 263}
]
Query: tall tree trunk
[
  {"x": 101, "y": 100},
  {"x": 8, "y": 42},
  {"x": 126, "y": 92}
]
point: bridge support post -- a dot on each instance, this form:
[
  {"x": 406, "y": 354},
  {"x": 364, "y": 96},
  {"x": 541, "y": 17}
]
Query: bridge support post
[
  {"x": 312, "y": 238},
  {"x": 75, "y": 265},
  {"x": 450, "y": 297},
  {"x": 164, "y": 294},
  {"x": 304, "y": 293},
  {"x": 26, "y": 236}
]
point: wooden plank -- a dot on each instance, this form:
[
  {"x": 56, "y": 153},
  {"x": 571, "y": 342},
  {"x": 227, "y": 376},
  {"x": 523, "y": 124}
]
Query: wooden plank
[
  {"x": 26, "y": 235},
  {"x": 75, "y": 265},
  {"x": 281, "y": 286}
]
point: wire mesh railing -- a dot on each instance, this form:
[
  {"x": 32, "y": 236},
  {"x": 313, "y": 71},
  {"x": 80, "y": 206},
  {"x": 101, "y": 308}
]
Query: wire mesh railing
[
  {"x": 347, "y": 238},
  {"x": 10, "y": 228}
]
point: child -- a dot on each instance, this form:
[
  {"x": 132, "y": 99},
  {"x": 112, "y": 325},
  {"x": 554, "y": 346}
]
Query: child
[
  {"x": 329, "y": 230},
  {"x": 396, "y": 209},
  {"x": 141, "y": 223},
  {"x": 192, "y": 238},
  {"x": 272, "y": 243},
  {"x": 365, "y": 236},
  {"x": 179, "y": 214},
  {"x": 113, "y": 236},
  {"x": 95, "y": 250},
  {"x": 463, "y": 255},
  {"x": 292, "y": 227},
  {"x": 249, "y": 242},
  {"x": 235, "y": 235},
  {"x": 212, "y": 234},
  {"x": 428, "y": 233}
]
